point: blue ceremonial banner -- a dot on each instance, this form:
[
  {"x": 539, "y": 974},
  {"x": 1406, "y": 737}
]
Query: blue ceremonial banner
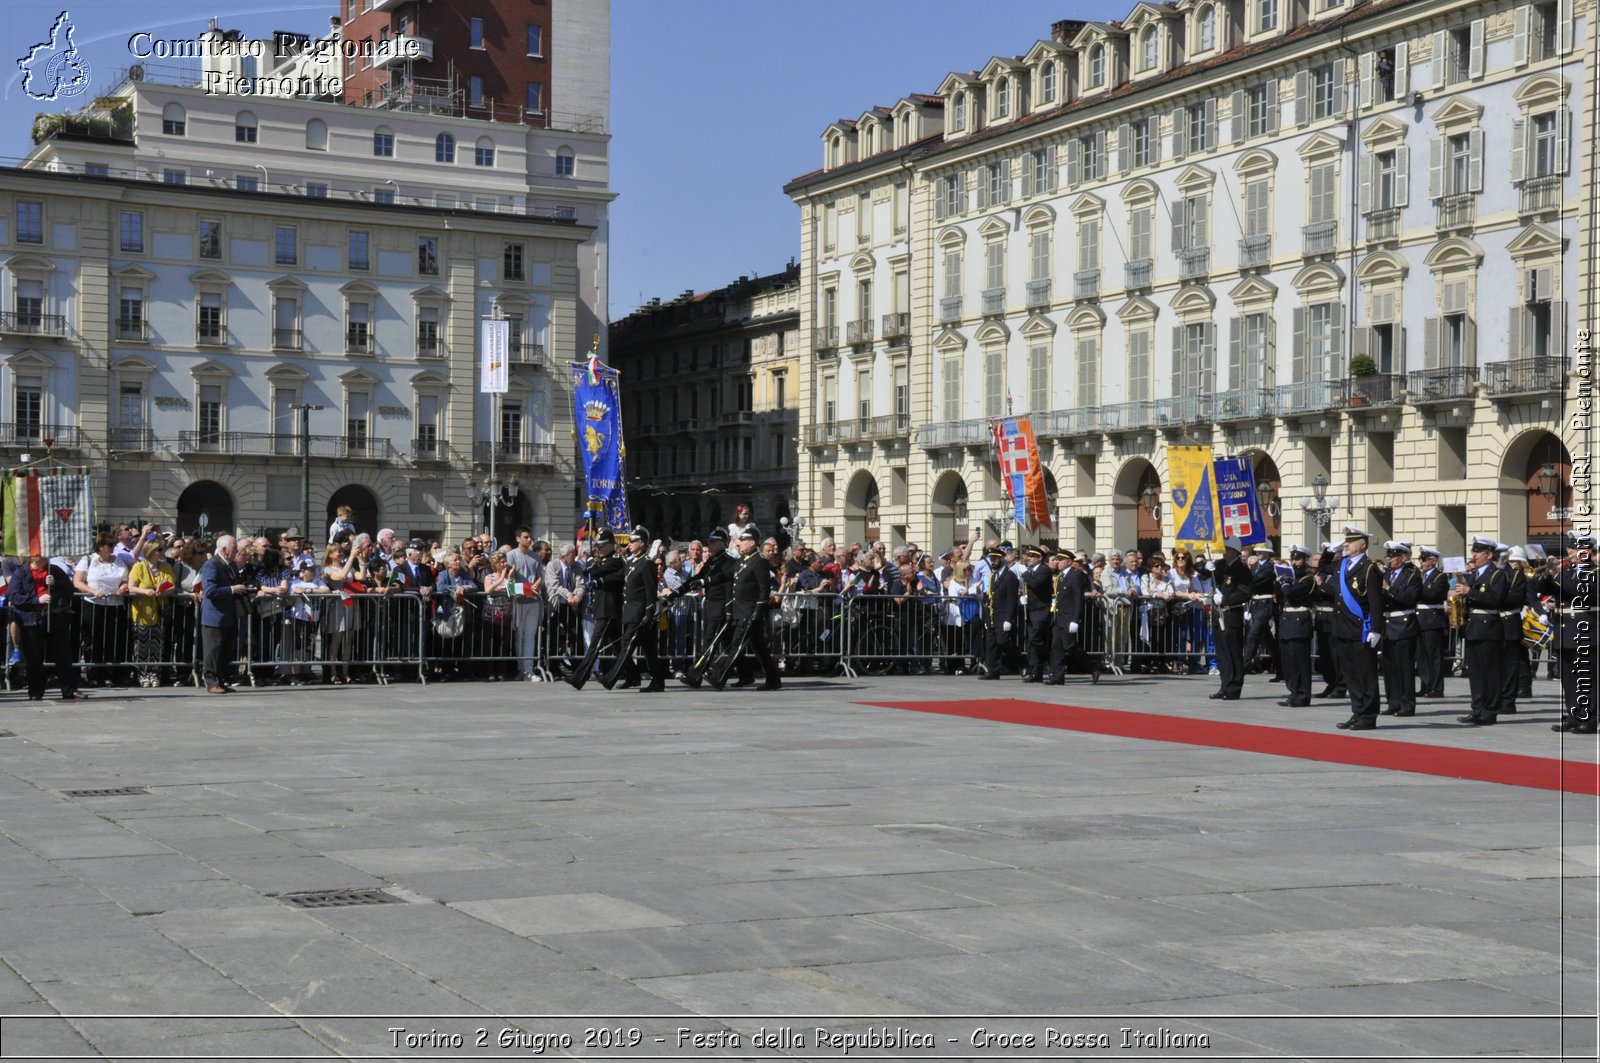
[
  {"x": 597, "y": 405},
  {"x": 1236, "y": 501}
]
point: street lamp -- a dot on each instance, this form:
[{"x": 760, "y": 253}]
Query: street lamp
[
  {"x": 1323, "y": 508},
  {"x": 1267, "y": 495},
  {"x": 1549, "y": 481},
  {"x": 1001, "y": 519},
  {"x": 494, "y": 492},
  {"x": 305, "y": 409}
]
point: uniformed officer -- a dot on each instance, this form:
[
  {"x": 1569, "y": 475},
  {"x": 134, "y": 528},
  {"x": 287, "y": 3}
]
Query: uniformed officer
[
  {"x": 1298, "y": 592},
  {"x": 714, "y": 578},
  {"x": 1258, "y": 640},
  {"x": 1231, "y": 578},
  {"x": 1066, "y": 618},
  {"x": 753, "y": 589},
  {"x": 999, "y": 611},
  {"x": 1038, "y": 582},
  {"x": 605, "y": 575},
  {"x": 1574, "y": 586},
  {"x": 1433, "y": 625},
  {"x": 639, "y": 594},
  {"x": 1401, "y": 591},
  {"x": 1357, "y": 628},
  {"x": 1483, "y": 638},
  {"x": 1517, "y": 669},
  {"x": 1323, "y": 613}
]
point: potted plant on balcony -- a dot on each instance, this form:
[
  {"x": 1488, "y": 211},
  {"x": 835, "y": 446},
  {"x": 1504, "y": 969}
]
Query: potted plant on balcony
[{"x": 1361, "y": 366}]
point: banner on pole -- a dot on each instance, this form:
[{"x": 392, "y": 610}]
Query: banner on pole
[
  {"x": 496, "y": 344},
  {"x": 597, "y": 412},
  {"x": 1194, "y": 500},
  {"x": 48, "y": 513},
  {"x": 1021, "y": 473},
  {"x": 1236, "y": 500}
]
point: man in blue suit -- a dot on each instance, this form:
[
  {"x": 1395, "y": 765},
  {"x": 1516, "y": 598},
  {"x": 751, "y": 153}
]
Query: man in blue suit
[{"x": 221, "y": 586}]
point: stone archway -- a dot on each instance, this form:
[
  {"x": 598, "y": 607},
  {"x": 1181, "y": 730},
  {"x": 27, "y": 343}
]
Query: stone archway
[
  {"x": 1527, "y": 514},
  {"x": 861, "y": 521},
  {"x": 1269, "y": 485},
  {"x": 1134, "y": 522},
  {"x": 1050, "y": 538},
  {"x": 364, "y": 511},
  {"x": 209, "y": 500},
  {"x": 950, "y": 520}
]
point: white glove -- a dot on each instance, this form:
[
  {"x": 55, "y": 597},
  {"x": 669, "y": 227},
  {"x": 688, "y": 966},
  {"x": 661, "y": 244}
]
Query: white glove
[
  {"x": 1373, "y": 639},
  {"x": 655, "y": 549},
  {"x": 1072, "y": 627},
  {"x": 1247, "y": 616},
  {"x": 1216, "y": 596},
  {"x": 1006, "y": 626},
  {"x": 1544, "y": 618}
]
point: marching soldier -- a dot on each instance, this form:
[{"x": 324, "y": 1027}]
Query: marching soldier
[
  {"x": 1574, "y": 586},
  {"x": 753, "y": 591},
  {"x": 639, "y": 595},
  {"x": 1258, "y": 639},
  {"x": 1328, "y": 665},
  {"x": 1520, "y": 591},
  {"x": 1229, "y": 600},
  {"x": 1357, "y": 604},
  {"x": 1433, "y": 625},
  {"x": 1039, "y": 582},
  {"x": 999, "y": 607},
  {"x": 1483, "y": 638},
  {"x": 1071, "y": 583},
  {"x": 715, "y": 578},
  {"x": 605, "y": 576},
  {"x": 1299, "y": 591},
  {"x": 1401, "y": 592}
]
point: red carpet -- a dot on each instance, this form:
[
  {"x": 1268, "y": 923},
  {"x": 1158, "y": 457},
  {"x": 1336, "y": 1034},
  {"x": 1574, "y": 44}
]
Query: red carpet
[{"x": 1363, "y": 750}]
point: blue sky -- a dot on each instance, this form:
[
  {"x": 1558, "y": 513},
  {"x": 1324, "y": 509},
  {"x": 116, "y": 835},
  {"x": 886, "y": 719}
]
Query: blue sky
[{"x": 715, "y": 103}]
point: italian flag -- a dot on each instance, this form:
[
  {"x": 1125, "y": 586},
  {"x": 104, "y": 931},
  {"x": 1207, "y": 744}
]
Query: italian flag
[{"x": 523, "y": 590}]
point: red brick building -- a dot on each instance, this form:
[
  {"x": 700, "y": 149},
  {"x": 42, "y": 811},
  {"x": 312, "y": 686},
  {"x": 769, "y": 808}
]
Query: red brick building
[{"x": 476, "y": 58}]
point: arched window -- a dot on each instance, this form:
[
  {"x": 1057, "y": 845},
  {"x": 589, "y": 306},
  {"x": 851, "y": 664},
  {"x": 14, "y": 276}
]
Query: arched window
[
  {"x": 566, "y": 163},
  {"x": 316, "y": 135},
  {"x": 838, "y": 151},
  {"x": 1151, "y": 45},
  {"x": 959, "y": 123},
  {"x": 483, "y": 153},
  {"x": 244, "y": 128},
  {"x": 1047, "y": 82},
  {"x": 1208, "y": 28},
  {"x": 383, "y": 142},
  {"x": 1002, "y": 98},
  {"x": 174, "y": 122},
  {"x": 1097, "y": 66},
  {"x": 444, "y": 148}
]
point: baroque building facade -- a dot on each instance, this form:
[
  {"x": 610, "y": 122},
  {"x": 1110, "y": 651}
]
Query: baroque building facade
[
  {"x": 709, "y": 405},
  {"x": 1339, "y": 237}
]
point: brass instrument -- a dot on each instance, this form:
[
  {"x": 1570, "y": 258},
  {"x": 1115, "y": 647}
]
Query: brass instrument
[{"x": 1455, "y": 611}]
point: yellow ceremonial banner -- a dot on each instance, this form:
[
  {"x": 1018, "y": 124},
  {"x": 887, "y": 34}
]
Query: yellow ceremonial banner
[{"x": 1194, "y": 500}]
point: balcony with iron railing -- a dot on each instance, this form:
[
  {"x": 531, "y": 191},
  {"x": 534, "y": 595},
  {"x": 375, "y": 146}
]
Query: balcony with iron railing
[
  {"x": 888, "y": 427},
  {"x": 1136, "y": 275},
  {"x": 515, "y": 452},
  {"x": 1086, "y": 284},
  {"x": 269, "y": 443},
  {"x": 1448, "y": 384},
  {"x": 1383, "y": 225},
  {"x": 994, "y": 302},
  {"x": 28, "y": 323},
  {"x": 1457, "y": 212},
  {"x": 405, "y": 48},
  {"x": 975, "y": 432},
  {"x": 1038, "y": 293},
  {"x": 527, "y": 353},
  {"x": 1319, "y": 238},
  {"x": 858, "y": 332},
  {"x": 1541, "y": 194},
  {"x": 733, "y": 418},
  {"x": 1242, "y": 404},
  {"x": 1194, "y": 263},
  {"x": 131, "y": 440},
  {"x": 133, "y": 328},
  {"x": 896, "y": 325},
  {"x": 826, "y": 337},
  {"x": 208, "y": 334},
  {"x": 1180, "y": 411},
  {"x": 1127, "y": 416},
  {"x": 434, "y": 449},
  {"x": 1525, "y": 376},
  {"x": 286, "y": 339},
  {"x": 823, "y": 434},
  {"x": 358, "y": 341},
  {"x": 38, "y": 434},
  {"x": 1255, "y": 252},
  {"x": 428, "y": 345},
  {"x": 1376, "y": 389},
  {"x": 1062, "y": 424},
  {"x": 949, "y": 309},
  {"x": 1308, "y": 396}
]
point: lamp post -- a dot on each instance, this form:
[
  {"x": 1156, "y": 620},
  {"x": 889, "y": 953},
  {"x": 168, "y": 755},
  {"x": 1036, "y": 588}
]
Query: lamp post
[
  {"x": 1549, "y": 481},
  {"x": 1001, "y": 519},
  {"x": 494, "y": 492},
  {"x": 1322, "y": 508},
  {"x": 305, "y": 409}
]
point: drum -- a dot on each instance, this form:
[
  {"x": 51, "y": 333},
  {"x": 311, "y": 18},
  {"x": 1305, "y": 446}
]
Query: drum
[{"x": 1535, "y": 632}]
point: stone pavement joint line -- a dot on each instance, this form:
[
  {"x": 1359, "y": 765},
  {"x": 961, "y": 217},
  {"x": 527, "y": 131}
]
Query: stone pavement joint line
[{"x": 1510, "y": 769}]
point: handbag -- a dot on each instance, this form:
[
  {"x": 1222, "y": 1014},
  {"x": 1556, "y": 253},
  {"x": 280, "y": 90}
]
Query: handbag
[
  {"x": 269, "y": 605},
  {"x": 449, "y": 621},
  {"x": 497, "y": 610},
  {"x": 971, "y": 608}
]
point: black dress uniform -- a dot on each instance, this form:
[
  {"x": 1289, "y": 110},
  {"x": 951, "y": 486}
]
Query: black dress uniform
[
  {"x": 1433, "y": 631},
  {"x": 1299, "y": 593},
  {"x": 1039, "y": 585},
  {"x": 1483, "y": 639},
  {"x": 999, "y": 610},
  {"x": 604, "y": 578},
  {"x": 1402, "y": 589},
  {"x": 753, "y": 587},
  {"x": 639, "y": 616},
  {"x": 1355, "y": 619},
  {"x": 1066, "y": 623},
  {"x": 1323, "y": 614},
  {"x": 1575, "y": 586},
  {"x": 715, "y": 578},
  {"x": 1258, "y": 638},
  {"x": 1516, "y": 670},
  {"x": 1232, "y": 582}
]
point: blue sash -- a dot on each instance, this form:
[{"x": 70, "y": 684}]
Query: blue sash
[{"x": 1351, "y": 602}]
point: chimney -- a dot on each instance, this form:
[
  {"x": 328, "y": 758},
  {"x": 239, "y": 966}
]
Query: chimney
[
  {"x": 1062, "y": 32},
  {"x": 333, "y": 26}
]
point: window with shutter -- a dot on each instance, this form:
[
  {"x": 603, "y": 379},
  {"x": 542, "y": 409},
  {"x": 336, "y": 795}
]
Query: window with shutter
[
  {"x": 1089, "y": 245},
  {"x": 952, "y": 389},
  {"x": 994, "y": 396},
  {"x": 994, "y": 254},
  {"x": 1039, "y": 255},
  {"x": 1140, "y": 244},
  {"x": 1039, "y": 378},
  {"x": 1139, "y": 365},
  {"x": 1088, "y": 372},
  {"x": 1257, "y": 219}
]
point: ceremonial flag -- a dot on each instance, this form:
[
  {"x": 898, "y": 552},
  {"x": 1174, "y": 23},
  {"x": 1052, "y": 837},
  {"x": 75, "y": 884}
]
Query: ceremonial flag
[
  {"x": 1236, "y": 492},
  {"x": 496, "y": 344},
  {"x": 1194, "y": 499},
  {"x": 49, "y": 513},
  {"x": 597, "y": 403},
  {"x": 523, "y": 590},
  {"x": 1021, "y": 472}
]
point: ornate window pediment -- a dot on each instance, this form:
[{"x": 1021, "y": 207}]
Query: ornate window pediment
[
  {"x": 1195, "y": 180},
  {"x": 210, "y": 371},
  {"x": 429, "y": 380},
  {"x": 1385, "y": 132},
  {"x": 133, "y": 274},
  {"x": 358, "y": 379},
  {"x": 1253, "y": 289},
  {"x": 1255, "y": 163},
  {"x": 1140, "y": 191},
  {"x": 287, "y": 375},
  {"x": 1536, "y": 240},
  {"x": 1195, "y": 301},
  {"x": 286, "y": 285},
  {"x": 992, "y": 332},
  {"x": 863, "y": 262},
  {"x": 952, "y": 236},
  {"x": 1454, "y": 253},
  {"x": 1087, "y": 206},
  {"x": 1320, "y": 145},
  {"x": 210, "y": 279},
  {"x": 1460, "y": 113},
  {"x": 1037, "y": 325},
  {"x": 1039, "y": 217},
  {"x": 359, "y": 289},
  {"x": 1318, "y": 277},
  {"x": 1086, "y": 318},
  {"x": 133, "y": 365},
  {"x": 29, "y": 264},
  {"x": 994, "y": 228},
  {"x": 1138, "y": 309},
  {"x": 1382, "y": 267},
  {"x": 1545, "y": 90},
  {"x": 950, "y": 341}
]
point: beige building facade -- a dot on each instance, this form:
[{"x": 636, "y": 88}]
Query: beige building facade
[{"x": 1340, "y": 238}]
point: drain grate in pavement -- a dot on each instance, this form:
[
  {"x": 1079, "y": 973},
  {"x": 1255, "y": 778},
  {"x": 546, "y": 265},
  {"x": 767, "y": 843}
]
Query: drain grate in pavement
[
  {"x": 338, "y": 899},
  {"x": 107, "y": 791}
]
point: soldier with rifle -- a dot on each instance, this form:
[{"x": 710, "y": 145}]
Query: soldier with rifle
[
  {"x": 714, "y": 578},
  {"x": 1298, "y": 593},
  {"x": 754, "y": 589},
  {"x": 640, "y": 592},
  {"x": 604, "y": 578}
]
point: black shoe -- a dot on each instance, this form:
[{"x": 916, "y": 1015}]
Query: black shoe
[
  {"x": 1094, "y": 677},
  {"x": 1298, "y": 704},
  {"x": 574, "y": 680},
  {"x": 1565, "y": 725},
  {"x": 1030, "y": 679},
  {"x": 748, "y": 682},
  {"x": 1053, "y": 682},
  {"x": 1404, "y": 712},
  {"x": 988, "y": 675},
  {"x": 1475, "y": 720},
  {"x": 1220, "y": 696},
  {"x": 1327, "y": 692},
  {"x": 690, "y": 680},
  {"x": 1389, "y": 712},
  {"x": 1586, "y": 729},
  {"x": 656, "y": 686},
  {"x": 628, "y": 684},
  {"x": 771, "y": 684},
  {"x": 1359, "y": 723}
]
